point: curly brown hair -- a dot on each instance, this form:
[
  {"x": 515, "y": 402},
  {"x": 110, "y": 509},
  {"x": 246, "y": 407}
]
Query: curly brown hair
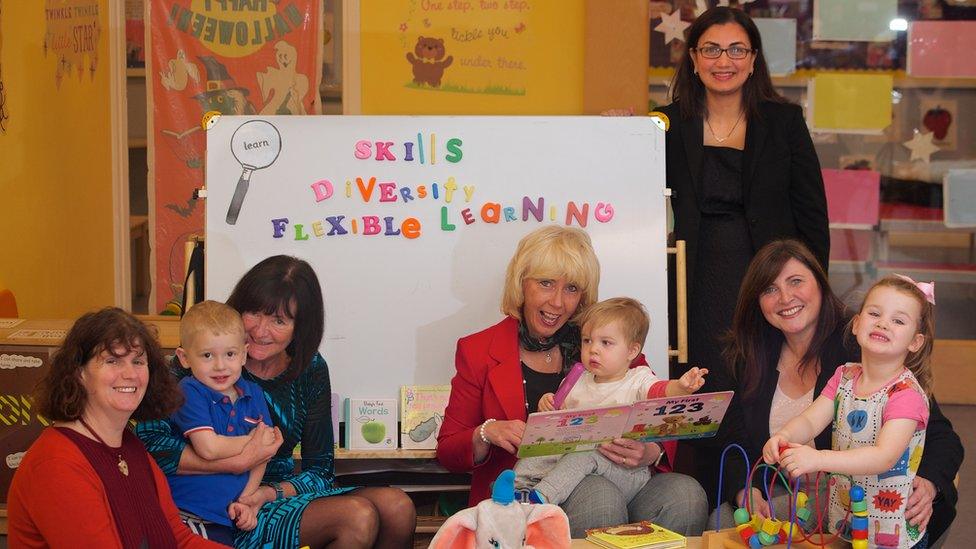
[{"x": 61, "y": 396}]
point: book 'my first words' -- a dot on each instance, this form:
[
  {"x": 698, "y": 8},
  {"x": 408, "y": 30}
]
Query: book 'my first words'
[
  {"x": 421, "y": 414},
  {"x": 371, "y": 423}
]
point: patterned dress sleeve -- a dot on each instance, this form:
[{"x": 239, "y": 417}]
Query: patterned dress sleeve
[
  {"x": 318, "y": 454},
  {"x": 161, "y": 436}
]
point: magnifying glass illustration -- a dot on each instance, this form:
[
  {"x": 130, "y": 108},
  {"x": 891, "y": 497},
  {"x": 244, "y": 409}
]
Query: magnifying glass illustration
[{"x": 256, "y": 145}]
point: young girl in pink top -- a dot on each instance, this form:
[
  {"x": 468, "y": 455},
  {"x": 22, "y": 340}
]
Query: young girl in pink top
[{"x": 879, "y": 409}]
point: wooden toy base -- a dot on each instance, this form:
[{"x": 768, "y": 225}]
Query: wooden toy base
[{"x": 729, "y": 539}]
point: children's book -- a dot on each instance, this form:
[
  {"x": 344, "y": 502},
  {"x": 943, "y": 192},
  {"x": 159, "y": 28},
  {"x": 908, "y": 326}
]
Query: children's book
[
  {"x": 657, "y": 419},
  {"x": 371, "y": 423},
  {"x": 637, "y": 535},
  {"x": 421, "y": 414}
]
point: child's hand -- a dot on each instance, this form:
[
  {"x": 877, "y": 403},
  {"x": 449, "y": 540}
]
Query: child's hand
[
  {"x": 546, "y": 403},
  {"x": 693, "y": 379},
  {"x": 771, "y": 453},
  {"x": 244, "y": 516},
  {"x": 758, "y": 504},
  {"x": 800, "y": 459}
]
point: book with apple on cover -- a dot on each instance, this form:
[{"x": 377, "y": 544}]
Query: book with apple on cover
[
  {"x": 656, "y": 419},
  {"x": 636, "y": 535},
  {"x": 371, "y": 423}
]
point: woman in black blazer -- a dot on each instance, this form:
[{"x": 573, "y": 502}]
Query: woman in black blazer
[
  {"x": 789, "y": 335},
  {"x": 741, "y": 167}
]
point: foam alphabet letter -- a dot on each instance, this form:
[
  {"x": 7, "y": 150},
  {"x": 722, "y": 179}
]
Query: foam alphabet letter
[
  {"x": 387, "y": 193},
  {"x": 279, "y": 226},
  {"x": 322, "y": 189},
  {"x": 445, "y": 226},
  {"x": 491, "y": 211},
  {"x": 371, "y": 225},
  {"x": 603, "y": 212},
  {"x": 410, "y": 227},
  {"x": 364, "y": 149},
  {"x": 454, "y": 153},
  {"x": 383, "y": 150}
]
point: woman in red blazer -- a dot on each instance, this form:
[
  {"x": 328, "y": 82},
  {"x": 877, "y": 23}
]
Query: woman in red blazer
[{"x": 502, "y": 372}]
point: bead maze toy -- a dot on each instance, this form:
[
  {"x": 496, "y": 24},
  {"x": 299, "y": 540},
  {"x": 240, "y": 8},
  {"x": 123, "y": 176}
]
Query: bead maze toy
[{"x": 753, "y": 531}]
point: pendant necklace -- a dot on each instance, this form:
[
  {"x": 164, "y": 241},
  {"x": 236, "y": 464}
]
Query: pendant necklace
[
  {"x": 123, "y": 466},
  {"x": 726, "y": 138}
]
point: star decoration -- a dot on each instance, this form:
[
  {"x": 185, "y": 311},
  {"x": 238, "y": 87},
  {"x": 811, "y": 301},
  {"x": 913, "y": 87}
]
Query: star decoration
[
  {"x": 673, "y": 27},
  {"x": 921, "y": 146},
  {"x": 403, "y": 27}
]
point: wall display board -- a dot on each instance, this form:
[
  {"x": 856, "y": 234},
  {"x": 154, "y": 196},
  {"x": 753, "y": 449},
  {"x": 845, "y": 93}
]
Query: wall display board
[{"x": 410, "y": 223}]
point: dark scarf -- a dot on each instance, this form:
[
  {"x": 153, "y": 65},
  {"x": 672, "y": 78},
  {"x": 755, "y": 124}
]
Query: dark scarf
[{"x": 567, "y": 338}]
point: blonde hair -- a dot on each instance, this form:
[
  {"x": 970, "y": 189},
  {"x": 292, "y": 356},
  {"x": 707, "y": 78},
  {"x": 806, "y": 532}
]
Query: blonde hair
[
  {"x": 552, "y": 252},
  {"x": 633, "y": 317},
  {"x": 211, "y": 316},
  {"x": 917, "y": 362}
]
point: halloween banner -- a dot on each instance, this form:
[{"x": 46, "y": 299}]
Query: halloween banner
[{"x": 230, "y": 56}]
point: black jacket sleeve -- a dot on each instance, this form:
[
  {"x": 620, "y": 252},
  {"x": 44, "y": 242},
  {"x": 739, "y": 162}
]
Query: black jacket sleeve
[{"x": 940, "y": 463}]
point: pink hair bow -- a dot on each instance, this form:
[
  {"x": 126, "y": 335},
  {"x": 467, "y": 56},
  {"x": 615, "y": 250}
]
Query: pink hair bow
[{"x": 927, "y": 288}]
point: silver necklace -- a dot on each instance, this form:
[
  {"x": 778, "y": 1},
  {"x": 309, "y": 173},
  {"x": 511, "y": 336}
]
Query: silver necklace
[{"x": 724, "y": 139}]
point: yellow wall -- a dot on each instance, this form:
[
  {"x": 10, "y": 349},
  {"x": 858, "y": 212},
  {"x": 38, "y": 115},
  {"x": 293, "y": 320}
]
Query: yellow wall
[{"x": 56, "y": 251}]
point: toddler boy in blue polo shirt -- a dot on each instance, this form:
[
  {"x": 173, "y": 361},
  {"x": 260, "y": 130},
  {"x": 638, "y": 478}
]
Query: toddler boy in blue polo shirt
[{"x": 219, "y": 415}]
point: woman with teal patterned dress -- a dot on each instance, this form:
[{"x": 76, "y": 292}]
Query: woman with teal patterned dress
[{"x": 280, "y": 301}]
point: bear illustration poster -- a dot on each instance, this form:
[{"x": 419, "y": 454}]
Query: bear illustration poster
[
  {"x": 461, "y": 57},
  {"x": 940, "y": 116},
  {"x": 256, "y": 57}
]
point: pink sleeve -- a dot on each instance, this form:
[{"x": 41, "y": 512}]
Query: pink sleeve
[
  {"x": 658, "y": 389},
  {"x": 907, "y": 404},
  {"x": 830, "y": 390}
]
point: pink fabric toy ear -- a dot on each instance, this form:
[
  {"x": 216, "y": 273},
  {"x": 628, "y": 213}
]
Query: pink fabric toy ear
[
  {"x": 547, "y": 527},
  {"x": 457, "y": 532}
]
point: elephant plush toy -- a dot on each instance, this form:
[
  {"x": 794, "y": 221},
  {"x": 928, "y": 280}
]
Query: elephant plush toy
[{"x": 501, "y": 522}]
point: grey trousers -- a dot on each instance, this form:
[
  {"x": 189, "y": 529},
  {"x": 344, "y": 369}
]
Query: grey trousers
[
  {"x": 671, "y": 500},
  {"x": 562, "y": 479}
]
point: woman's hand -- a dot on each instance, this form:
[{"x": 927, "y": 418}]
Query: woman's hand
[
  {"x": 630, "y": 453},
  {"x": 546, "y": 403},
  {"x": 800, "y": 459},
  {"x": 759, "y": 503},
  {"x": 770, "y": 451},
  {"x": 507, "y": 435},
  {"x": 919, "y": 508}
]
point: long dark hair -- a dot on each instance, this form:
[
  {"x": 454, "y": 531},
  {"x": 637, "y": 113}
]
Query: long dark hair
[
  {"x": 61, "y": 395},
  {"x": 271, "y": 286},
  {"x": 753, "y": 343},
  {"x": 687, "y": 88}
]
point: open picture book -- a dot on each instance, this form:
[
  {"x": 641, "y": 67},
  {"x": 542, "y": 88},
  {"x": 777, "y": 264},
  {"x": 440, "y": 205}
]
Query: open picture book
[{"x": 657, "y": 419}]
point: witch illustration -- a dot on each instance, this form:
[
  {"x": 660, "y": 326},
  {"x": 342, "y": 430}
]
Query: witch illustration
[{"x": 222, "y": 93}]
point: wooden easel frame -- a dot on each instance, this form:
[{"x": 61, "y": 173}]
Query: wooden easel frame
[{"x": 681, "y": 297}]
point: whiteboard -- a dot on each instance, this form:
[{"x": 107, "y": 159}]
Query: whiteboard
[{"x": 395, "y": 306}]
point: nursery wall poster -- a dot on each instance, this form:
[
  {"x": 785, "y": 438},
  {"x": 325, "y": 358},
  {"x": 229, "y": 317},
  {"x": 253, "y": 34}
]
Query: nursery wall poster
[
  {"x": 465, "y": 57},
  {"x": 72, "y": 36},
  {"x": 258, "y": 57}
]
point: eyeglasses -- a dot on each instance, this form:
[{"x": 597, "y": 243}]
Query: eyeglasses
[{"x": 734, "y": 52}]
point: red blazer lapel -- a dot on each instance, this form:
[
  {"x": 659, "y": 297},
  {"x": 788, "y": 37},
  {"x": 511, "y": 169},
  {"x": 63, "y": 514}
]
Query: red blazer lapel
[{"x": 505, "y": 378}]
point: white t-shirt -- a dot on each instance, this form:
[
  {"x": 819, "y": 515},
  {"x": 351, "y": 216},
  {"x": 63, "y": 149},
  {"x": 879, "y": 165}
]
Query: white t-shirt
[{"x": 587, "y": 393}]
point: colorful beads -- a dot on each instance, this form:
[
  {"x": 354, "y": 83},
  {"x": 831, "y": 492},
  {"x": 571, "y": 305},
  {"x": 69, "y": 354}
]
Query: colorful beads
[
  {"x": 741, "y": 516},
  {"x": 859, "y": 522}
]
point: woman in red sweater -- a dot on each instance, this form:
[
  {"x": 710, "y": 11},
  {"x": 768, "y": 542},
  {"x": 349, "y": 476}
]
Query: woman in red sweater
[{"x": 87, "y": 481}]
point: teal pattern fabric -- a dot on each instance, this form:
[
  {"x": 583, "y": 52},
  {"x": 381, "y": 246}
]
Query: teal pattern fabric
[{"x": 302, "y": 409}]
